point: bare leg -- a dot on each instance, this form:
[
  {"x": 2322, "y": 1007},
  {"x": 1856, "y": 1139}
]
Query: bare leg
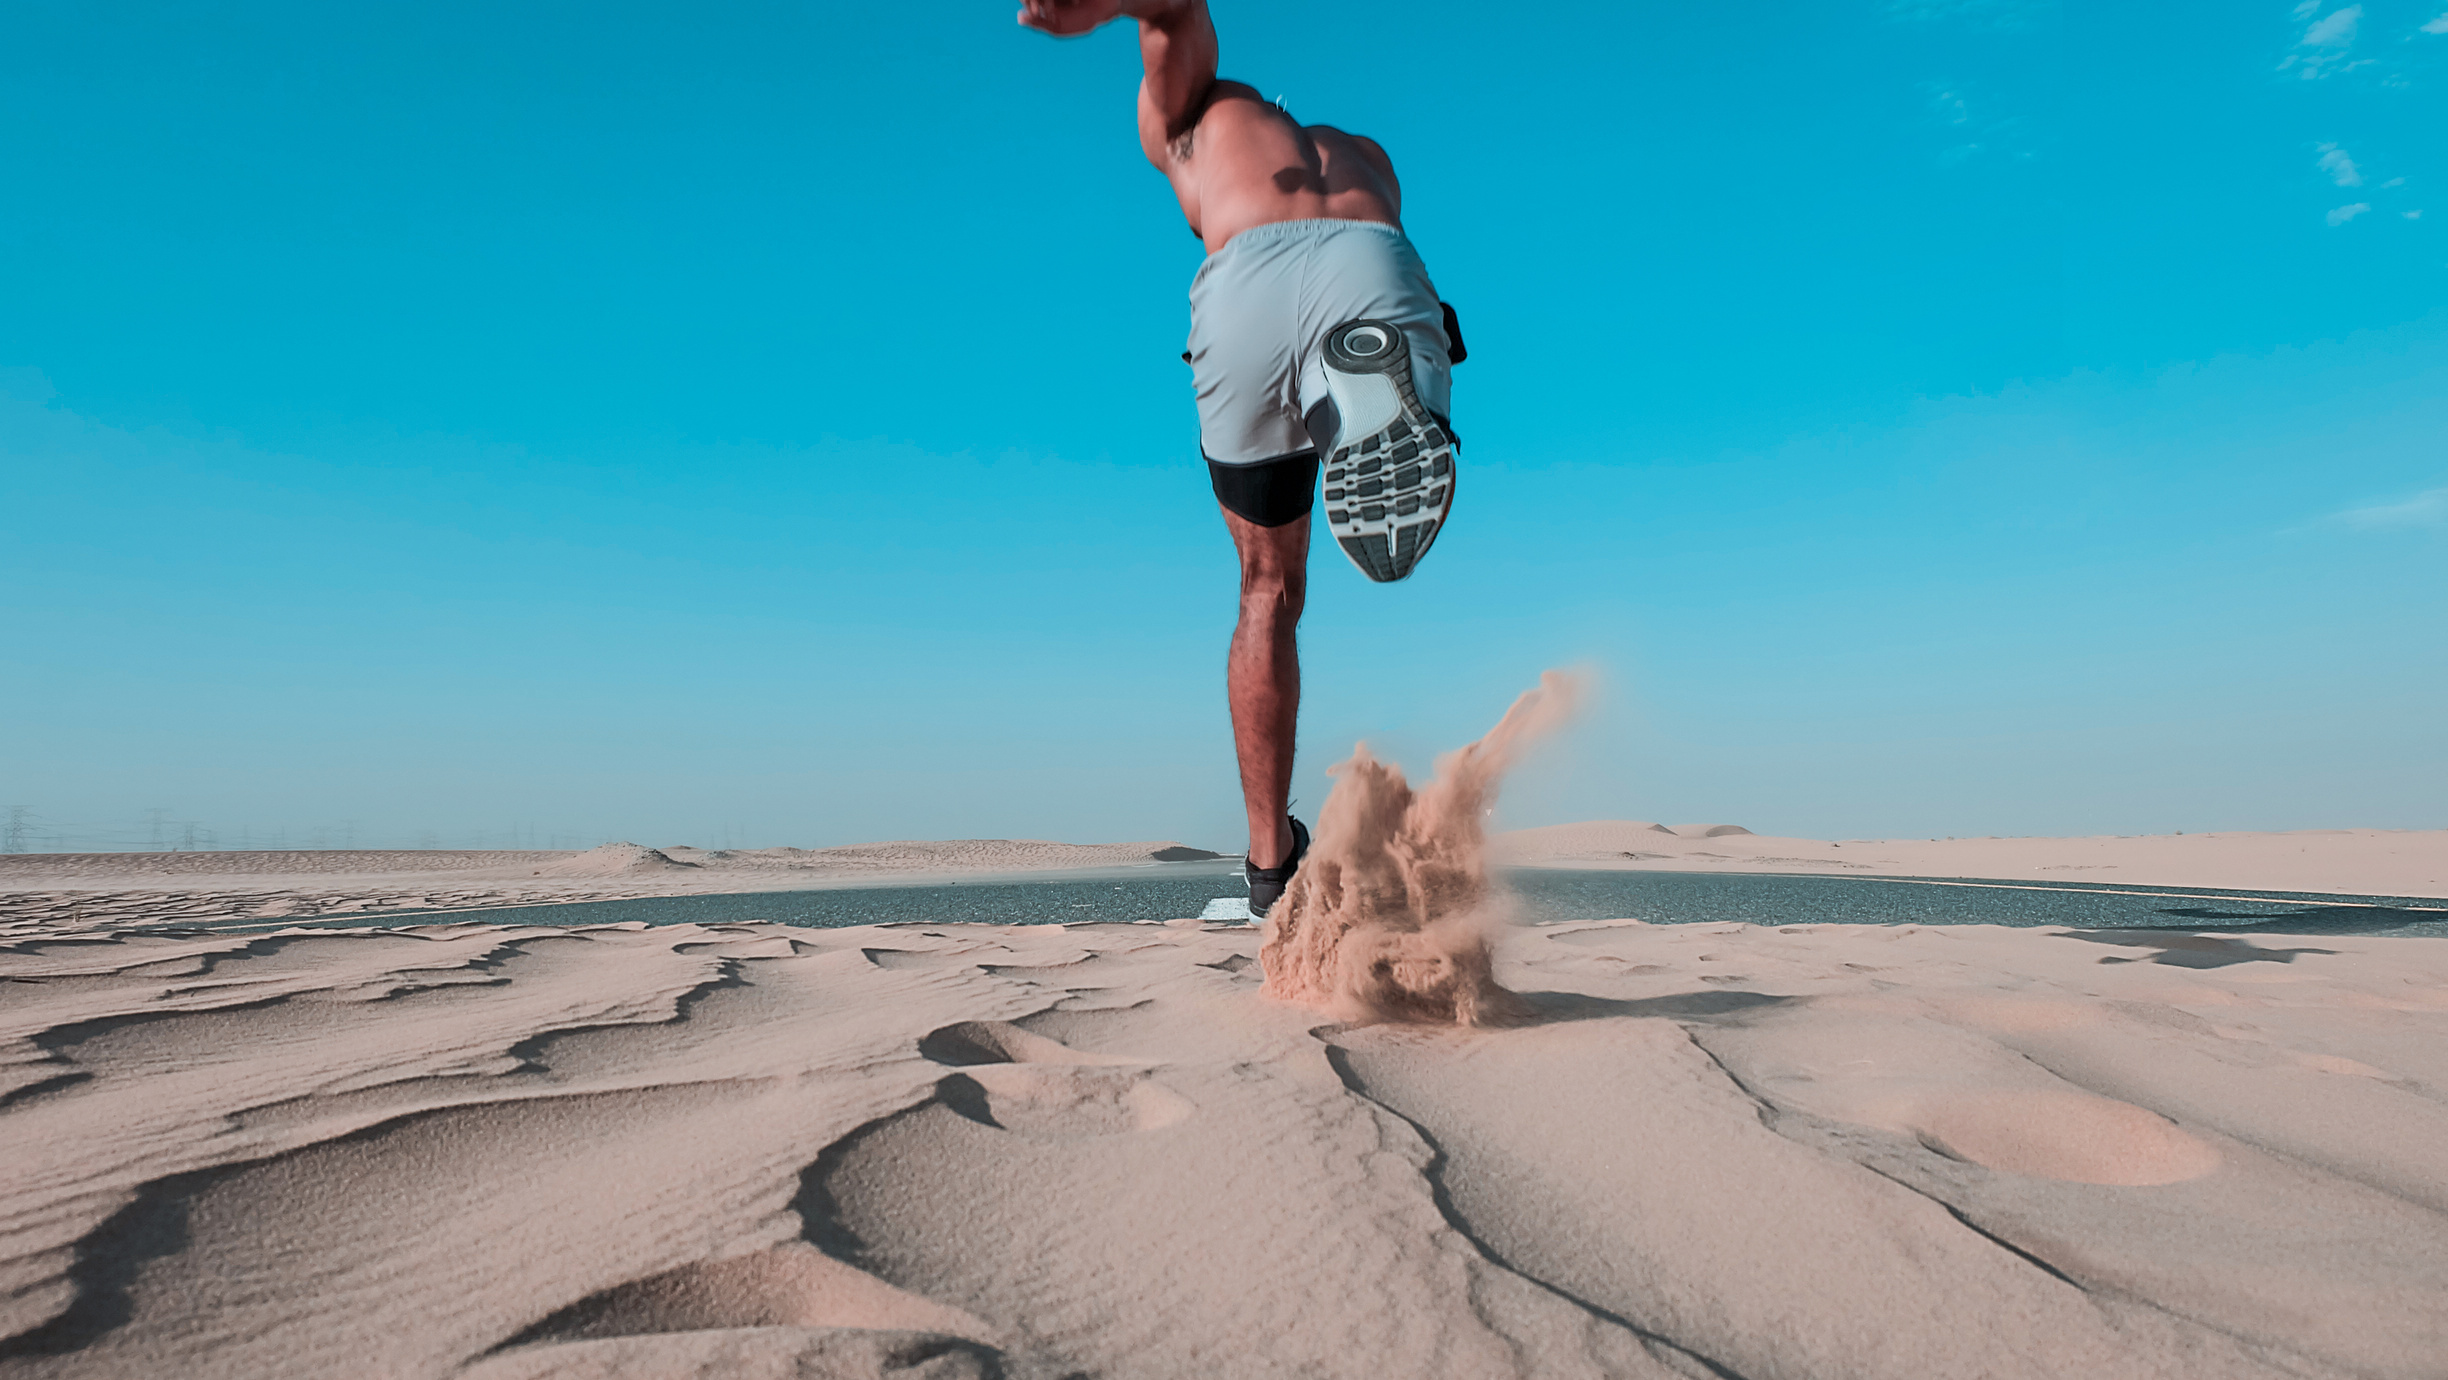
[{"x": 1262, "y": 676}]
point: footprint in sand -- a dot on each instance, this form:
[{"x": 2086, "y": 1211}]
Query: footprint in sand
[{"x": 1027, "y": 1084}]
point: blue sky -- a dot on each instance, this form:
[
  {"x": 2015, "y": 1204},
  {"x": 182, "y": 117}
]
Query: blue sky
[{"x": 764, "y": 423}]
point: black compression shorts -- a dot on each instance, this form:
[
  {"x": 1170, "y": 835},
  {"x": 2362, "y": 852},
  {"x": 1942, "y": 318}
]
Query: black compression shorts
[{"x": 1270, "y": 493}]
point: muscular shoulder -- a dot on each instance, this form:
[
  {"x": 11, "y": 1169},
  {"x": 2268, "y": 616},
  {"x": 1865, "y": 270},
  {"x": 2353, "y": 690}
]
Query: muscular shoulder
[
  {"x": 1226, "y": 103},
  {"x": 1226, "y": 90},
  {"x": 1361, "y": 144}
]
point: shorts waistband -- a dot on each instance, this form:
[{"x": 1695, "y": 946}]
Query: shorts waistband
[{"x": 1314, "y": 227}]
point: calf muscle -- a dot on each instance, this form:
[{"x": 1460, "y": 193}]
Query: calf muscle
[{"x": 1262, "y": 674}]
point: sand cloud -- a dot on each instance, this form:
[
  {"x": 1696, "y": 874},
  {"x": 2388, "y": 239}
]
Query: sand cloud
[{"x": 1394, "y": 915}]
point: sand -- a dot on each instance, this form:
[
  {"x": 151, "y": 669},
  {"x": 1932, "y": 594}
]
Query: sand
[
  {"x": 50, "y": 892},
  {"x": 2366, "y": 862},
  {"x": 1806, "y": 1152},
  {"x": 1813, "y": 1152}
]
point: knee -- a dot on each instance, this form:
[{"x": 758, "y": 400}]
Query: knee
[{"x": 1274, "y": 590}]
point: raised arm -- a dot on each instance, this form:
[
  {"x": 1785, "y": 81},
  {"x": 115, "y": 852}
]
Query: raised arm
[{"x": 1177, "y": 46}]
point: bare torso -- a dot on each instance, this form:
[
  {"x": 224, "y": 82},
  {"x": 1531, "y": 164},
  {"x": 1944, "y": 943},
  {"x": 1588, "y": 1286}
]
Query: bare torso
[{"x": 1245, "y": 162}]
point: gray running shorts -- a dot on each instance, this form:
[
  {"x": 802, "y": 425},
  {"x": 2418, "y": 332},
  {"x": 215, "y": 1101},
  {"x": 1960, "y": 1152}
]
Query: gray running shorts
[{"x": 1260, "y": 309}]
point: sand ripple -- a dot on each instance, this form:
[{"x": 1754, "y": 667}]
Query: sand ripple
[{"x": 1805, "y": 1153}]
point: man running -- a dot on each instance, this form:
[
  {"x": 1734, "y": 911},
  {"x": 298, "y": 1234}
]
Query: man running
[{"x": 1314, "y": 333}]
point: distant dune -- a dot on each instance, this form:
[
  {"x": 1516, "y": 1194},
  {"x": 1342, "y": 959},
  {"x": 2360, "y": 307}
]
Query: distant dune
[
  {"x": 19, "y": 869},
  {"x": 40, "y": 891},
  {"x": 2382, "y": 862}
]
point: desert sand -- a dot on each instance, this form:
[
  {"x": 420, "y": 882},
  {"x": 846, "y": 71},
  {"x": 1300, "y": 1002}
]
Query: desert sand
[
  {"x": 1808, "y": 1152},
  {"x": 1385, "y": 1135},
  {"x": 2368, "y": 862}
]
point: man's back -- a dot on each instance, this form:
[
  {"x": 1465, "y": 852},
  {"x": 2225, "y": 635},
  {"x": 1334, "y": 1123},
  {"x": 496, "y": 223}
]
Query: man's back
[
  {"x": 1244, "y": 162},
  {"x": 1235, "y": 159}
]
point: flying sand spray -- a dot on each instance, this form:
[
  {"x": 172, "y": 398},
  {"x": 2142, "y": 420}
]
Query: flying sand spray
[{"x": 1392, "y": 916}]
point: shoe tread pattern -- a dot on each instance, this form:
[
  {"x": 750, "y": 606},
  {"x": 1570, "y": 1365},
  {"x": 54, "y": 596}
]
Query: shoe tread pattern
[{"x": 1388, "y": 493}]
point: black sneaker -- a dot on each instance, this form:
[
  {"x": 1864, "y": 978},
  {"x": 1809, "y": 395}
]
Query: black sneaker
[
  {"x": 1267, "y": 884},
  {"x": 1390, "y": 476}
]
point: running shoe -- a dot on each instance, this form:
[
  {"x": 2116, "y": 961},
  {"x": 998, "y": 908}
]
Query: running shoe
[
  {"x": 1390, "y": 476},
  {"x": 1267, "y": 884}
]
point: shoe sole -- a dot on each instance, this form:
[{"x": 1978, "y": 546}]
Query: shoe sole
[{"x": 1390, "y": 479}]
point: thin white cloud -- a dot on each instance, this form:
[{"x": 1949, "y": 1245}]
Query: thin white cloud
[
  {"x": 2341, "y": 169},
  {"x": 2394, "y": 182},
  {"x": 1972, "y": 126},
  {"x": 2426, "y": 509},
  {"x": 2322, "y": 49},
  {"x": 2344, "y": 214},
  {"x": 2335, "y": 31},
  {"x": 2411, "y": 215},
  {"x": 2437, "y": 26}
]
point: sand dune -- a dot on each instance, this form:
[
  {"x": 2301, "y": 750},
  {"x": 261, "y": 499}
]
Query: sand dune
[
  {"x": 1800, "y": 1153},
  {"x": 616, "y": 860},
  {"x": 115, "y": 868},
  {"x": 2372, "y": 862}
]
